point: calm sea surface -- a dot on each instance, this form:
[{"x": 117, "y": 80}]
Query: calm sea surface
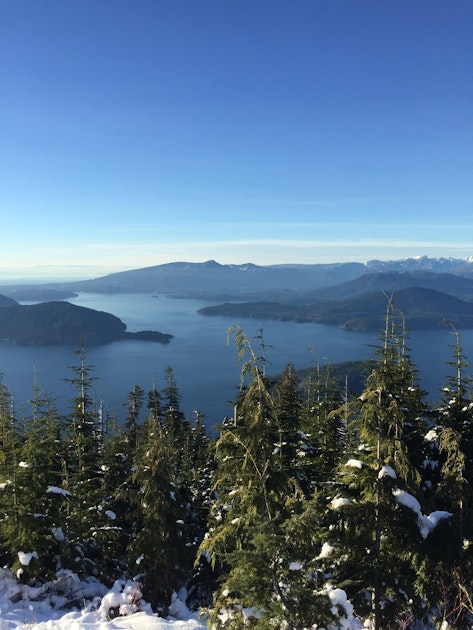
[{"x": 205, "y": 367}]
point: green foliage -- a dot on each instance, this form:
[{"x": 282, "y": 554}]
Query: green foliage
[
  {"x": 41, "y": 501},
  {"x": 376, "y": 539},
  {"x": 256, "y": 494},
  {"x": 9, "y": 444},
  {"x": 306, "y": 490}
]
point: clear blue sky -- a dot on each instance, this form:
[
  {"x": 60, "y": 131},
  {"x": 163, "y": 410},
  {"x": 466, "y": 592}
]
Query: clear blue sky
[{"x": 138, "y": 132}]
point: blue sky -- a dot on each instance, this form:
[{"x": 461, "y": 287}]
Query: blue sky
[{"x": 140, "y": 132}]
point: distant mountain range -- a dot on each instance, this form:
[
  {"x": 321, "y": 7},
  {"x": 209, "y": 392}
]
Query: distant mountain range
[
  {"x": 211, "y": 280},
  {"x": 429, "y": 291}
]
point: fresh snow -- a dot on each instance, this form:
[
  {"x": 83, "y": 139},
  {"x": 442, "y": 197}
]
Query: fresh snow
[
  {"x": 28, "y": 608},
  {"x": 431, "y": 436},
  {"x": 339, "y": 601},
  {"x": 387, "y": 471},
  {"x": 25, "y": 608},
  {"x": 426, "y": 523},
  {"x": 26, "y": 558},
  {"x": 354, "y": 463},
  {"x": 326, "y": 551},
  {"x": 295, "y": 566},
  {"x": 339, "y": 502},
  {"x": 56, "y": 490},
  {"x": 404, "y": 498}
]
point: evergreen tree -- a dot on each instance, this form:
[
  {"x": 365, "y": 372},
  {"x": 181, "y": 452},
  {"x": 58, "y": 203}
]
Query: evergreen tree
[
  {"x": 117, "y": 492},
  {"x": 9, "y": 444},
  {"x": 168, "y": 497},
  {"x": 157, "y": 548},
  {"x": 375, "y": 526},
  {"x": 41, "y": 499},
  {"x": 247, "y": 539},
  {"x": 202, "y": 467},
  {"x": 135, "y": 404},
  {"x": 287, "y": 413},
  {"x": 450, "y": 552},
  {"x": 456, "y": 445},
  {"x": 84, "y": 474},
  {"x": 154, "y": 402},
  {"x": 325, "y": 420}
]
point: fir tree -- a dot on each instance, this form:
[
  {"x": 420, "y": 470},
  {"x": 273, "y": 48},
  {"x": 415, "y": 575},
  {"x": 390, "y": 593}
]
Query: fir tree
[
  {"x": 325, "y": 420},
  {"x": 84, "y": 474},
  {"x": 154, "y": 402},
  {"x": 135, "y": 404},
  {"x": 374, "y": 533},
  {"x": 202, "y": 467},
  {"x": 157, "y": 550},
  {"x": 9, "y": 444},
  {"x": 41, "y": 499},
  {"x": 247, "y": 539},
  {"x": 450, "y": 552},
  {"x": 456, "y": 443}
]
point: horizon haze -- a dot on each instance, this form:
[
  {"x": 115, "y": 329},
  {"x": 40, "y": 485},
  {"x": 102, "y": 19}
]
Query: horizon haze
[{"x": 139, "y": 134}]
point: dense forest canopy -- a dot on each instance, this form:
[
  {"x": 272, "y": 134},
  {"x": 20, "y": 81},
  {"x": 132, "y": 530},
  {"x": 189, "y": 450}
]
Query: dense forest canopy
[{"x": 308, "y": 506}]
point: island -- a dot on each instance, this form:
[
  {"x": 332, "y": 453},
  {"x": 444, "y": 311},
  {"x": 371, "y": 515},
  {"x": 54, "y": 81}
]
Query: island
[
  {"x": 60, "y": 323},
  {"x": 422, "y": 309}
]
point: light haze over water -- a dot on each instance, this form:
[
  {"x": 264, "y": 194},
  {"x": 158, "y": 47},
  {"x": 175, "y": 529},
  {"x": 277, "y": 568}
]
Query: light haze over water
[{"x": 205, "y": 367}]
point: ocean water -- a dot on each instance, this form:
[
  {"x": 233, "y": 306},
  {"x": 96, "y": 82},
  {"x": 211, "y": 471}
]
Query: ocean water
[{"x": 205, "y": 366}]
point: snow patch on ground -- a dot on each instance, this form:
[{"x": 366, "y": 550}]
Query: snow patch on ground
[{"x": 25, "y": 608}]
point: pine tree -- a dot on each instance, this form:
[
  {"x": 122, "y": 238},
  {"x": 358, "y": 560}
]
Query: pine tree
[
  {"x": 154, "y": 402},
  {"x": 41, "y": 499},
  {"x": 325, "y": 420},
  {"x": 9, "y": 444},
  {"x": 166, "y": 494},
  {"x": 375, "y": 533},
  {"x": 287, "y": 412},
  {"x": 117, "y": 492},
  {"x": 450, "y": 549},
  {"x": 202, "y": 467},
  {"x": 156, "y": 549},
  {"x": 135, "y": 404},
  {"x": 254, "y": 494},
  {"x": 456, "y": 444},
  {"x": 84, "y": 474}
]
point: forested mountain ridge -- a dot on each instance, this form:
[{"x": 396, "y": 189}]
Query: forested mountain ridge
[
  {"x": 61, "y": 323},
  {"x": 7, "y": 301},
  {"x": 393, "y": 281},
  {"x": 211, "y": 280},
  {"x": 423, "y": 309}
]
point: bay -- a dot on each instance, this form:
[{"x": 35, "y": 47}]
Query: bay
[{"x": 205, "y": 366}]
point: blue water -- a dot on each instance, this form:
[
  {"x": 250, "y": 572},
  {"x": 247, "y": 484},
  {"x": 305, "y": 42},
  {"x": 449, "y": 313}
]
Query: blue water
[{"x": 205, "y": 367}]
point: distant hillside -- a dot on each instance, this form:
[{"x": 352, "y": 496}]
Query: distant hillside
[
  {"x": 62, "y": 323},
  {"x": 6, "y": 301},
  {"x": 282, "y": 283},
  {"x": 387, "y": 282},
  {"x": 423, "y": 309},
  {"x": 211, "y": 280},
  {"x": 37, "y": 294},
  {"x": 390, "y": 281}
]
